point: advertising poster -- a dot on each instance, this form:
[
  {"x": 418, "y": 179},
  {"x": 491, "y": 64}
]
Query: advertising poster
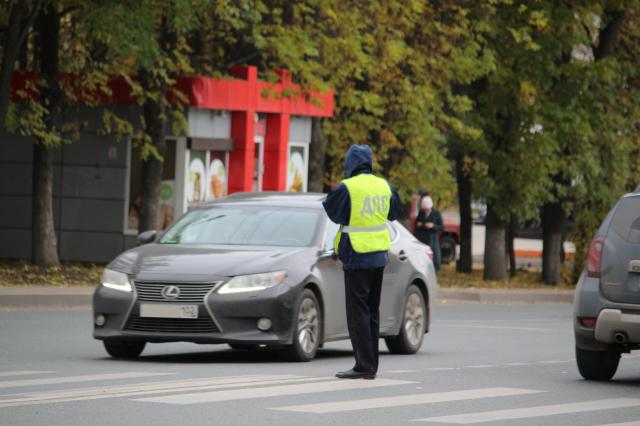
[
  {"x": 196, "y": 178},
  {"x": 166, "y": 215},
  {"x": 296, "y": 170},
  {"x": 216, "y": 176}
]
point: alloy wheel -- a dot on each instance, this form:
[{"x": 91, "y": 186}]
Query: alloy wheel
[
  {"x": 414, "y": 319},
  {"x": 308, "y": 325}
]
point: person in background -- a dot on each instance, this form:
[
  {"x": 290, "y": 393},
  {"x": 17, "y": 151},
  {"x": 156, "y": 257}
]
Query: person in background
[{"x": 427, "y": 227}]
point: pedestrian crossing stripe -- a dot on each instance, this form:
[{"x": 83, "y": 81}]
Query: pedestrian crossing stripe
[
  {"x": 538, "y": 411},
  {"x": 329, "y": 385},
  {"x": 23, "y": 373},
  {"x": 405, "y": 400},
  {"x": 76, "y": 379},
  {"x": 149, "y": 388}
]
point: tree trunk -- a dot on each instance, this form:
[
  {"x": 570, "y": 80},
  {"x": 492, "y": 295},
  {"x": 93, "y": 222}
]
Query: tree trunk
[
  {"x": 154, "y": 113},
  {"x": 465, "y": 261},
  {"x": 317, "y": 152},
  {"x": 43, "y": 234},
  {"x": 553, "y": 217},
  {"x": 511, "y": 249},
  {"x": 495, "y": 256}
]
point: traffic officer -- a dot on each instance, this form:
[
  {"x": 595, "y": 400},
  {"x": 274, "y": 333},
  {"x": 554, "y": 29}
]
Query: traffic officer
[{"x": 362, "y": 204}]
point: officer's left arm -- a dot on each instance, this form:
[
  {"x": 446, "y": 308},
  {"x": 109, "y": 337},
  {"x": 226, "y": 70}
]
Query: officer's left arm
[
  {"x": 338, "y": 205},
  {"x": 395, "y": 208}
]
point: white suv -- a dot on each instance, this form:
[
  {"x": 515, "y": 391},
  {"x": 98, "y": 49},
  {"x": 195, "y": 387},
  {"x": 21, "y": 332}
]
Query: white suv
[{"x": 607, "y": 299}]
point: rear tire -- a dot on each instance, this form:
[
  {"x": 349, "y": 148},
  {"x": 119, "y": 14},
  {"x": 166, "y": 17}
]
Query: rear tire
[
  {"x": 306, "y": 328},
  {"x": 414, "y": 323},
  {"x": 447, "y": 249},
  {"x": 122, "y": 349},
  {"x": 597, "y": 365}
]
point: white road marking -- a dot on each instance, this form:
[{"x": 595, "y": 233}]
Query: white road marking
[
  {"x": 636, "y": 423},
  {"x": 298, "y": 389},
  {"x": 76, "y": 379},
  {"x": 404, "y": 400},
  {"x": 149, "y": 388},
  {"x": 540, "y": 411},
  {"x": 499, "y": 327},
  {"x": 23, "y": 373},
  {"x": 400, "y": 371}
]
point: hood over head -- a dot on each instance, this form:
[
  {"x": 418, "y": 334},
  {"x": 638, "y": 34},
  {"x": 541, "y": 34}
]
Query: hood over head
[{"x": 359, "y": 159}]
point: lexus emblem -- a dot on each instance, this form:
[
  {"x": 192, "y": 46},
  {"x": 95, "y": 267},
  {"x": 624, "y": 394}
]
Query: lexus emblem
[{"x": 170, "y": 292}]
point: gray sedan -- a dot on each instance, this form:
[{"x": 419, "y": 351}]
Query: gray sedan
[{"x": 251, "y": 270}]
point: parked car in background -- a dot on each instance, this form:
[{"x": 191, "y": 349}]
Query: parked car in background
[
  {"x": 607, "y": 299},
  {"x": 255, "y": 269}
]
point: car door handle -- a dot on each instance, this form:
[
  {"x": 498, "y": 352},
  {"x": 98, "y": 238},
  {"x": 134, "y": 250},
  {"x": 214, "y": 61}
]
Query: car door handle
[{"x": 402, "y": 256}]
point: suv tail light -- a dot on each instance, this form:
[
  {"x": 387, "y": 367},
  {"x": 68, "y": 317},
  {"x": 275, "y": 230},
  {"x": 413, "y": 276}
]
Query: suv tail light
[
  {"x": 594, "y": 256},
  {"x": 429, "y": 253}
]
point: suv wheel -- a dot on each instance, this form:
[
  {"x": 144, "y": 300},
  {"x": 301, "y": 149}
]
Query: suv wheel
[
  {"x": 597, "y": 365},
  {"x": 306, "y": 333},
  {"x": 447, "y": 249},
  {"x": 414, "y": 323},
  {"x": 121, "y": 349}
]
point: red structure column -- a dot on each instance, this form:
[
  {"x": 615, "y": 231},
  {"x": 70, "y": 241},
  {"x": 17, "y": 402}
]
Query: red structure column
[
  {"x": 241, "y": 159},
  {"x": 276, "y": 147}
]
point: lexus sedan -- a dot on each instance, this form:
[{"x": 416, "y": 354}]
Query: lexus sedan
[
  {"x": 254, "y": 269},
  {"x": 607, "y": 299}
]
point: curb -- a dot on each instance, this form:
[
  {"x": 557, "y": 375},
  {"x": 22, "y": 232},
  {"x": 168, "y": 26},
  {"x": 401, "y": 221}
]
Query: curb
[
  {"x": 23, "y": 297},
  {"x": 514, "y": 296}
]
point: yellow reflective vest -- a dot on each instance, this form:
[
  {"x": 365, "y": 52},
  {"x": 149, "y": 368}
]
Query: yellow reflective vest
[{"x": 370, "y": 203}]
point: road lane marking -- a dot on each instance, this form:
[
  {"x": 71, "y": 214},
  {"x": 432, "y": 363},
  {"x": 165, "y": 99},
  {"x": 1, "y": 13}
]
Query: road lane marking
[
  {"x": 405, "y": 400},
  {"x": 23, "y": 373},
  {"x": 297, "y": 389},
  {"x": 635, "y": 423},
  {"x": 539, "y": 411},
  {"x": 499, "y": 327},
  {"x": 400, "y": 371},
  {"x": 149, "y": 388},
  {"x": 76, "y": 379}
]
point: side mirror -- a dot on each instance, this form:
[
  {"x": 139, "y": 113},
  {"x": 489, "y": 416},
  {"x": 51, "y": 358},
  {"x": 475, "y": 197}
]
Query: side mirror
[
  {"x": 324, "y": 254},
  {"x": 147, "y": 237}
]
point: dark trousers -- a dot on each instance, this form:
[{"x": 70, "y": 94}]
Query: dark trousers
[{"x": 362, "y": 289}]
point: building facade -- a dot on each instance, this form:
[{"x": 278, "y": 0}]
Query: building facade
[{"x": 238, "y": 139}]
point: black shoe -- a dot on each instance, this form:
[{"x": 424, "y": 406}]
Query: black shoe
[{"x": 353, "y": 374}]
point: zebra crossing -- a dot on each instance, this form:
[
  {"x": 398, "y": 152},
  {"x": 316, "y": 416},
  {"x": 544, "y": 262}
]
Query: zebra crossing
[{"x": 27, "y": 388}]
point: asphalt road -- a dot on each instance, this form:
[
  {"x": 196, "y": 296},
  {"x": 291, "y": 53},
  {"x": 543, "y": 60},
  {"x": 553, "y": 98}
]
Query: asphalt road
[{"x": 497, "y": 364}]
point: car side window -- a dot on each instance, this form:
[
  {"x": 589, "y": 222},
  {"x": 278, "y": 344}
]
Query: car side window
[
  {"x": 626, "y": 220},
  {"x": 330, "y": 232}
]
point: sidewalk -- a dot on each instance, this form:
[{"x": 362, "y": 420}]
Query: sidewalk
[{"x": 24, "y": 297}]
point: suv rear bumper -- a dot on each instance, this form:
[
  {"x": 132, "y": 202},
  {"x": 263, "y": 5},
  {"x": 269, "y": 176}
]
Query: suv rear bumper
[{"x": 614, "y": 326}]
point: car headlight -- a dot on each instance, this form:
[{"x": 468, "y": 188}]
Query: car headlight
[
  {"x": 115, "y": 280},
  {"x": 244, "y": 283}
]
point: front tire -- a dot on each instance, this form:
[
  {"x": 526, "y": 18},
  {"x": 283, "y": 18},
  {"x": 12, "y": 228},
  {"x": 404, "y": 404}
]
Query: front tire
[
  {"x": 597, "y": 365},
  {"x": 414, "y": 323},
  {"x": 122, "y": 349},
  {"x": 306, "y": 333},
  {"x": 447, "y": 249}
]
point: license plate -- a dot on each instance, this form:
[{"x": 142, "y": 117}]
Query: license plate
[{"x": 156, "y": 310}]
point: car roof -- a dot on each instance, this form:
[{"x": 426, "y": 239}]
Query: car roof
[{"x": 292, "y": 199}]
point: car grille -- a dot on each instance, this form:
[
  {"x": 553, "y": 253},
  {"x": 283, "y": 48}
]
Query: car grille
[
  {"x": 171, "y": 325},
  {"x": 152, "y": 292}
]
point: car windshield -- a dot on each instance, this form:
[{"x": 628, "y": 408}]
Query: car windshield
[{"x": 247, "y": 225}]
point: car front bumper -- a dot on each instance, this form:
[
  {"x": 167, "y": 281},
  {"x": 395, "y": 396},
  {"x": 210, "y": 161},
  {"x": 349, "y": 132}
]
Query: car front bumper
[{"x": 222, "y": 318}]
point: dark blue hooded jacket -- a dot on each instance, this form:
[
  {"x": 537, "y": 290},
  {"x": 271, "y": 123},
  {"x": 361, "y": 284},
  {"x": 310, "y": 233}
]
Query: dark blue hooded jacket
[{"x": 338, "y": 208}]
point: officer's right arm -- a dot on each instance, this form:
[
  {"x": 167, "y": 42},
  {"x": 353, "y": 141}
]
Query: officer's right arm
[{"x": 338, "y": 205}]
